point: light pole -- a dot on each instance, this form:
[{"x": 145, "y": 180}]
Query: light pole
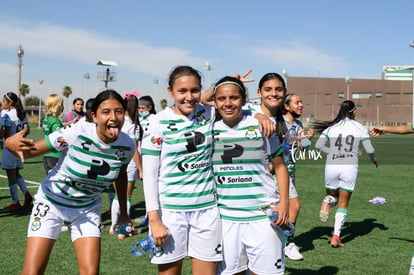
[
  {"x": 347, "y": 81},
  {"x": 40, "y": 101},
  {"x": 20, "y": 53},
  {"x": 285, "y": 75},
  {"x": 208, "y": 67},
  {"x": 86, "y": 76},
  {"x": 412, "y": 70}
]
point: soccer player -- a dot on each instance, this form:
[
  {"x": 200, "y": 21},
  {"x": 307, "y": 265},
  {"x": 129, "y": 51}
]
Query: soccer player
[
  {"x": 132, "y": 128},
  {"x": 179, "y": 187},
  {"x": 14, "y": 120},
  {"x": 245, "y": 185},
  {"x": 291, "y": 109},
  {"x": 96, "y": 155},
  {"x": 344, "y": 135}
]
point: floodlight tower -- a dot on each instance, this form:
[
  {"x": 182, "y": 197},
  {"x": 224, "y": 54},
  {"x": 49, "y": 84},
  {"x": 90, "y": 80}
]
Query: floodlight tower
[{"x": 107, "y": 75}]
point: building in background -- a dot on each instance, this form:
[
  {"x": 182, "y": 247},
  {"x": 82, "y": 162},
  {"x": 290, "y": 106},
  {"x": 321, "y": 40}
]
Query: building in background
[{"x": 387, "y": 101}]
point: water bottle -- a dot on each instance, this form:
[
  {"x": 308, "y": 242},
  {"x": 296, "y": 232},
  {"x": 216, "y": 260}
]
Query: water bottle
[
  {"x": 144, "y": 245},
  {"x": 273, "y": 216},
  {"x": 290, "y": 138},
  {"x": 124, "y": 229}
]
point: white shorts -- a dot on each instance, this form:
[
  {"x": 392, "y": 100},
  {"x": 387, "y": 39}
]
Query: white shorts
[
  {"x": 192, "y": 233},
  {"x": 341, "y": 177},
  {"x": 10, "y": 161},
  {"x": 47, "y": 220},
  {"x": 293, "y": 193},
  {"x": 254, "y": 245},
  {"x": 132, "y": 173}
]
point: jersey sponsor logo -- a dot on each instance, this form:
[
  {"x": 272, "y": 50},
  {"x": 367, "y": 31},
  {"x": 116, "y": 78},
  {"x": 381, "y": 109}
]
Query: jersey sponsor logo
[
  {"x": 231, "y": 168},
  {"x": 98, "y": 170},
  {"x": 230, "y": 152},
  {"x": 223, "y": 179},
  {"x": 186, "y": 166},
  {"x": 193, "y": 139},
  {"x": 239, "y": 179}
]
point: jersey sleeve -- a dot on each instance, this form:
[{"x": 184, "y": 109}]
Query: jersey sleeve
[{"x": 152, "y": 139}]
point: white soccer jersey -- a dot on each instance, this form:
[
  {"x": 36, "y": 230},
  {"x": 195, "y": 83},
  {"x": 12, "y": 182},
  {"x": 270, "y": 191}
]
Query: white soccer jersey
[
  {"x": 344, "y": 139},
  {"x": 87, "y": 166},
  {"x": 184, "y": 147},
  {"x": 240, "y": 162},
  {"x": 132, "y": 131},
  {"x": 257, "y": 108}
]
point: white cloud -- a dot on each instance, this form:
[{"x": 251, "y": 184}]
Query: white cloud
[{"x": 303, "y": 57}]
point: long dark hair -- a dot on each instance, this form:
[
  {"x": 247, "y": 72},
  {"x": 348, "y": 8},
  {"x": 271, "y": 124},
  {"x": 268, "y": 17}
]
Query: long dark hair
[
  {"x": 107, "y": 94},
  {"x": 346, "y": 110},
  {"x": 280, "y": 122},
  {"x": 131, "y": 103},
  {"x": 15, "y": 101}
]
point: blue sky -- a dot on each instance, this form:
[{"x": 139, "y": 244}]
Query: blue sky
[{"x": 63, "y": 40}]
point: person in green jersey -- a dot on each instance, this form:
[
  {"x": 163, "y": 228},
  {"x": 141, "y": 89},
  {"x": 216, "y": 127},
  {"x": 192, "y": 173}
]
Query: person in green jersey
[
  {"x": 95, "y": 155},
  {"x": 51, "y": 123}
]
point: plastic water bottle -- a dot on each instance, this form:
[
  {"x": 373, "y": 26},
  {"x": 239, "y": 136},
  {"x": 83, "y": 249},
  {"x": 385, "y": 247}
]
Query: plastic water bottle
[
  {"x": 144, "y": 245},
  {"x": 273, "y": 216},
  {"x": 124, "y": 229}
]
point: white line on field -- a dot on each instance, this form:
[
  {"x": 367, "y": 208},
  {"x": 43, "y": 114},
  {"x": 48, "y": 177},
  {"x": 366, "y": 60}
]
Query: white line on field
[{"x": 27, "y": 181}]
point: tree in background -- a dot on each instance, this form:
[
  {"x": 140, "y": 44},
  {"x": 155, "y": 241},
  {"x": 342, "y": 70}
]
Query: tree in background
[
  {"x": 67, "y": 91},
  {"x": 163, "y": 103},
  {"x": 24, "y": 91}
]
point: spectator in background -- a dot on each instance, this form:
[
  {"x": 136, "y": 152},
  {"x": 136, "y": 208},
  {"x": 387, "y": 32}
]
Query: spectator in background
[
  {"x": 51, "y": 123},
  {"x": 146, "y": 108},
  {"x": 76, "y": 113}
]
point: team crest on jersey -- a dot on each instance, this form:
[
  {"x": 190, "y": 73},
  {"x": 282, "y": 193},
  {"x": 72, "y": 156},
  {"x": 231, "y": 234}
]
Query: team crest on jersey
[
  {"x": 61, "y": 143},
  {"x": 200, "y": 118},
  {"x": 156, "y": 141},
  {"x": 120, "y": 153},
  {"x": 251, "y": 133},
  {"x": 36, "y": 224}
]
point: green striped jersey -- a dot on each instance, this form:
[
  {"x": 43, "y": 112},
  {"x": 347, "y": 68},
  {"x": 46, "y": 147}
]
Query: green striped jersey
[
  {"x": 87, "y": 165},
  {"x": 241, "y": 169},
  {"x": 183, "y": 145}
]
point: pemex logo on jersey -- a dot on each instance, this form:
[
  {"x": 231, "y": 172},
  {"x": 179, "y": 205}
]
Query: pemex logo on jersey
[{"x": 251, "y": 133}]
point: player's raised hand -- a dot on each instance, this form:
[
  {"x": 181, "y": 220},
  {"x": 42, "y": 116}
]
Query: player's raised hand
[{"x": 243, "y": 76}]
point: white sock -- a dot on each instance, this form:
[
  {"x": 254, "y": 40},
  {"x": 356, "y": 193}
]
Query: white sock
[
  {"x": 114, "y": 211},
  {"x": 129, "y": 207},
  {"x": 340, "y": 218}
]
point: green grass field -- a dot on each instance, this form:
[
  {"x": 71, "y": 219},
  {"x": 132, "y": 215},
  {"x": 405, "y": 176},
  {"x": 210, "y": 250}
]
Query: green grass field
[{"x": 378, "y": 238}]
